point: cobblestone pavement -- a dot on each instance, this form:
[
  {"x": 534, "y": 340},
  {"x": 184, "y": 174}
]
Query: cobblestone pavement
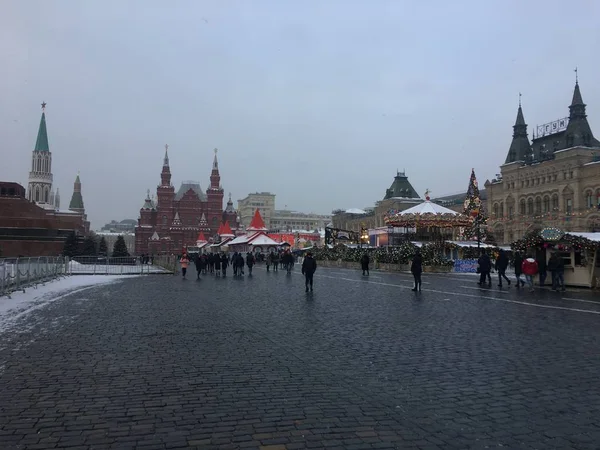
[{"x": 156, "y": 362}]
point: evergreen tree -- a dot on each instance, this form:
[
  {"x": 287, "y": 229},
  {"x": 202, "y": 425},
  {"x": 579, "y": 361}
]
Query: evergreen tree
[
  {"x": 89, "y": 246},
  {"x": 120, "y": 249},
  {"x": 473, "y": 207},
  {"x": 102, "y": 247},
  {"x": 71, "y": 247}
]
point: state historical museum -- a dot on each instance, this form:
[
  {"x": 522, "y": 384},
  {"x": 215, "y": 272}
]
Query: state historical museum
[{"x": 175, "y": 219}]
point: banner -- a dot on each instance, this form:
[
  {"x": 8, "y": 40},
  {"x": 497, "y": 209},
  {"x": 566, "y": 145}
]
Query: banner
[{"x": 465, "y": 265}]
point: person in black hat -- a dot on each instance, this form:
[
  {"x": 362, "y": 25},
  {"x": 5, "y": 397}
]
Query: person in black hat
[{"x": 309, "y": 266}]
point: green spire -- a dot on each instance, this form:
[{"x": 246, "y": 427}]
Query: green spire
[
  {"x": 41, "y": 144},
  {"x": 76, "y": 203}
]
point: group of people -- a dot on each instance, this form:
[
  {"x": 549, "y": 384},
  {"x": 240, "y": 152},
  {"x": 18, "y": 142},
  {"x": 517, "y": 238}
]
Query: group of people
[
  {"x": 528, "y": 266},
  {"x": 217, "y": 264}
]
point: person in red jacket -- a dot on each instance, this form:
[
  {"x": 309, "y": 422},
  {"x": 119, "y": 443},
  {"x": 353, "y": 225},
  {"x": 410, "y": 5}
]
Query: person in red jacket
[{"x": 530, "y": 269}]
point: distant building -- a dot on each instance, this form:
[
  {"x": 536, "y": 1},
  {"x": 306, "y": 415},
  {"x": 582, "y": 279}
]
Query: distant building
[
  {"x": 456, "y": 202},
  {"x": 176, "y": 219},
  {"x": 284, "y": 221},
  {"x": 263, "y": 201},
  {"x": 400, "y": 196},
  {"x": 552, "y": 181},
  {"x": 124, "y": 226}
]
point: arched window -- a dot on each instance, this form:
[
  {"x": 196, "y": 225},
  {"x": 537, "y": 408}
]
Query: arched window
[
  {"x": 538, "y": 205},
  {"x": 522, "y": 207},
  {"x": 33, "y": 164},
  {"x": 501, "y": 210},
  {"x": 546, "y": 204},
  {"x": 46, "y": 195},
  {"x": 530, "y": 207},
  {"x": 496, "y": 210},
  {"x": 555, "y": 202},
  {"x": 37, "y": 193},
  {"x": 164, "y": 220},
  {"x": 589, "y": 200}
]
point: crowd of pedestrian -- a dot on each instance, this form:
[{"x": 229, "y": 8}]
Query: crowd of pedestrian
[
  {"x": 217, "y": 264},
  {"x": 527, "y": 266}
]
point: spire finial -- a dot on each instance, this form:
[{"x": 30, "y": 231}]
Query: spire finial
[
  {"x": 43, "y": 106},
  {"x": 216, "y": 150},
  {"x": 576, "y": 76},
  {"x": 519, "y": 99},
  {"x": 166, "y": 147},
  {"x": 148, "y": 193}
]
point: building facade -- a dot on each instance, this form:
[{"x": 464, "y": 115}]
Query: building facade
[
  {"x": 263, "y": 201},
  {"x": 176, "y": 218},
  {"x": 400, "y": 196},
  {"x": 285, "y": 221},
  {"x": 552, "y": 181},
  {"x": 124, "y": 226}
]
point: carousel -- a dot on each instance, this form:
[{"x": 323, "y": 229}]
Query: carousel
[{"x": 428, "y": 221}]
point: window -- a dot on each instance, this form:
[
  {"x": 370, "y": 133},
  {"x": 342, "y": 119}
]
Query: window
[
  {"x": 501, "y": 210},
  {"x": 530, "y": 207},
  {"x": 522, "y": 207},
  {"x": 164, "y": 220},
  {"x": 589, "y": 200},
  {"x": 496, "y": 210},
  {"x": 546, "y": 204},
  {"x": 555, "y": 202},
  {"x": 538, "y": 205},
  {"x": 37, "y": 193},
  {"x": 569, "y": 205},
  {"x": 571, "y": 174},
  {"x": 46, "y": 195},
  {"x": 510, "y": 212}
]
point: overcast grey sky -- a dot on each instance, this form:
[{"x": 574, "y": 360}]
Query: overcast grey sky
[{"x": 317, "y": 101}]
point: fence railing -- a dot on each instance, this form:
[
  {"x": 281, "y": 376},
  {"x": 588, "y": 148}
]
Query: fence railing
[
  {"x": 129, "y": 265},
  {"x": 18, "y": 273}
]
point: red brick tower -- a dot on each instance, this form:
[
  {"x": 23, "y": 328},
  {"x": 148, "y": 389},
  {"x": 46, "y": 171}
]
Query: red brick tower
[{"x": 214, "y": 195}]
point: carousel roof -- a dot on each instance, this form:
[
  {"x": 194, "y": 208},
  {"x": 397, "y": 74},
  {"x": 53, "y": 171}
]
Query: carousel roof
[{"x": 427, "y": 214}]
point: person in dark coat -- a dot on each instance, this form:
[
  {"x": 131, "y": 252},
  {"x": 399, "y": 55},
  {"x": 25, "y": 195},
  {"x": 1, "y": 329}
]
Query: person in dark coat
[
  {"x": 211, "y": 263},
  {"x": 309, "y": 266},
  {"x": 288, "y": 262},
  {"x": 250, "y": 261},
  {"x": 240, "y": 263},
  {"x": 518, "y": 263},
  {"x": 416, "y": 268},
  {"x": 485, "y": 267},
  {"x": 542, "y": 267},
  {"x": 501, "y": 266},
  {"x": 198, "y": 264},
  {"x": 364, "y": 263},
  {"x": 224, "y": 264},
  {"x": 217, "y": 262}
]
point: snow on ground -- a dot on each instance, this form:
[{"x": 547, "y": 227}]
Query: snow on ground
[{"x": 22, "y": 303}]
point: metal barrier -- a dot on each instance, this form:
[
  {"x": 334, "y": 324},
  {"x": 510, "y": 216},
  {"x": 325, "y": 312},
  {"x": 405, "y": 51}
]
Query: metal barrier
[
  {"x": 18, "y": 273},
  {"x": 128, "y": 265}
]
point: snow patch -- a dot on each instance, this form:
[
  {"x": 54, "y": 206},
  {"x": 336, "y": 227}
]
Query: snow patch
[{"x": 22, "y": 303}]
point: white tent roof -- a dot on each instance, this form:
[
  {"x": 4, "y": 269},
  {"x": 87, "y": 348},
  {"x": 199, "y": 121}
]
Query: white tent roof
[
  {"x": 263, "y": 240},
  {"x": 428, "y": 207},
  {"x": 591, "y": 236},
  {"x": 355, "y": 211},
  {"x": 470, "y": 244}
]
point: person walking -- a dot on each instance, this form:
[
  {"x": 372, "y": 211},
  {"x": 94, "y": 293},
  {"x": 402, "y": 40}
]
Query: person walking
[
  {"x": 518, "y": 263},
  {"x": 530, "y": 269},
  {"x": 268, "y": 260},
  {"x": 217, "y": 263},
  {"x": 560, "y": 273},
  {"x": 224, "y": 264},
  {"x": 501, "y": 266},
  {"x": 552, "y": 267},
  {"x": 364, "y": 263},
  {"x": 184, "y": 261},
  {"x": 485, "y": 267},
  {"x": 309, "y": 266},
  {"x": 416, "y": 268},
  {"x": 541, "y": 262},
  {"x": 198, "y": 264},
  {"x": 250, "y": 261}
]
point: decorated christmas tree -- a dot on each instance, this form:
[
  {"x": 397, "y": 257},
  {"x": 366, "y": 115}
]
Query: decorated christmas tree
[
  {"x": 120, "y": 248},
  {"x": 473, "y": 207}
]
